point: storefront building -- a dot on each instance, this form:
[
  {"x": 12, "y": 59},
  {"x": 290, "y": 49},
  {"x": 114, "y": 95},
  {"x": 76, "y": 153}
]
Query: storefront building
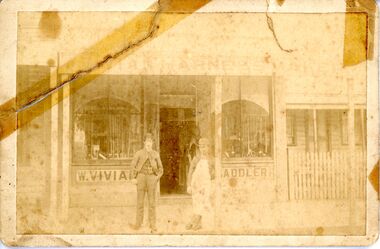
[
  {"x": 110, "y": 116},
  {"x": 104, "y": 122},
  {"x": 282, "y": 127}
]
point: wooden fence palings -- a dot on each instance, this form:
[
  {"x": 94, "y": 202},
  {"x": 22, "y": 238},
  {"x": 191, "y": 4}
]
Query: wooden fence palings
[{"x": 324, "y": 175}]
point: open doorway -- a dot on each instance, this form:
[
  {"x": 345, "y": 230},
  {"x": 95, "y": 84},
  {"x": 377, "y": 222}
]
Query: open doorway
[{"x": 177, "y": 131}]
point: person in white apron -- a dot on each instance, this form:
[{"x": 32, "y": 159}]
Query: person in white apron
[{"x": 200, "y": 188}]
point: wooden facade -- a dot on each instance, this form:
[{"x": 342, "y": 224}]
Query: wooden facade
[
  {"x": 283, "y": 127},
  {"x": 107, "y": 120}
]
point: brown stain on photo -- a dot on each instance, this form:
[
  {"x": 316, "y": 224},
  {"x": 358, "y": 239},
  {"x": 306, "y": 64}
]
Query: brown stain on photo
[
  {"x": 280, "y": 2},
  {"x": 50, "y": 24},
  {"x": 8, "y": 118},
  {"x": 355, "y": 39},
  {"x": 232, "y": 182},
  {"x": 319, "y": 231},
  {"x": 374, "y": 179},
  {"x": 359, "y": 31}
]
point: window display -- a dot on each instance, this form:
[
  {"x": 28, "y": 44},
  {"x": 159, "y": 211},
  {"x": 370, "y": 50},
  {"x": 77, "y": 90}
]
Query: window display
[
  {"x": 247, "y": 117},
  {"x": 106, "y": 129}
]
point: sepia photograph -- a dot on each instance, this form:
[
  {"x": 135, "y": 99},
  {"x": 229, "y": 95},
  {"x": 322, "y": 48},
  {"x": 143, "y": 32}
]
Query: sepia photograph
[{"x": 175, "y": 123}]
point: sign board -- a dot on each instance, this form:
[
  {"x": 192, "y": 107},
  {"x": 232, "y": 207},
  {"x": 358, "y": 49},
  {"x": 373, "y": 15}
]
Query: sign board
[
  {"x": 103, "y": 175},
  {"x": 249, "y": 172}
]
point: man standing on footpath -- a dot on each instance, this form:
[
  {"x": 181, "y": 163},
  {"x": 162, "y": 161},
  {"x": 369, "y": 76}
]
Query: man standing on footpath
[
  {"x": 201, "y": 174},
  {"x": 147, "y": 170}
]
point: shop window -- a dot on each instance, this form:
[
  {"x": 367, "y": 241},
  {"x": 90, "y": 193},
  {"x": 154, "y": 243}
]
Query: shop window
[
  {"x": 359, "y": 127},
  {"x": 106, "y": 129},
  {"x": 246, "y": 118},
  {"x": 291, "y": 128},
  {"x": 344, "y": 127}
]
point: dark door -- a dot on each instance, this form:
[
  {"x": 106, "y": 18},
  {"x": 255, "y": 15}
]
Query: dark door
[{"x": 176, "y": 131}]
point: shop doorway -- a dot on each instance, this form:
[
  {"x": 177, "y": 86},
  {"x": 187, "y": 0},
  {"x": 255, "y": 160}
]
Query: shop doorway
[{"x": 177, "y": 129}]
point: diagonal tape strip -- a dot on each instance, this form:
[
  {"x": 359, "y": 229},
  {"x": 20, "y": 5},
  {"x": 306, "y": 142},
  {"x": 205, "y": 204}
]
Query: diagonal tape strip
[{"x": 95, "y": 60}]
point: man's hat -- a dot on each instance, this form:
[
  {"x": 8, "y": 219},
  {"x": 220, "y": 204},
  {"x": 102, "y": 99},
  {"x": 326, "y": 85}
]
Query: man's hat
[
  {"x": 148, "y": 136},
  {"x": 203, "y": 141}
]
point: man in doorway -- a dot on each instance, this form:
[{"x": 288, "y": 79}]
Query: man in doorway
[
  {"x": 199, "y": 186},
  {"x": 188, "y": 138},
  {"x": 147, "y": 170}
]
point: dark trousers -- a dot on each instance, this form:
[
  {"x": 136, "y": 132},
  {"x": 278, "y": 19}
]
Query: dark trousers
[{"x": 146, "y": 184}]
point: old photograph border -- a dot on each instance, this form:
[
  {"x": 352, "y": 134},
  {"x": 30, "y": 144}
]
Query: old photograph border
[{"x": 8, "y": 145}]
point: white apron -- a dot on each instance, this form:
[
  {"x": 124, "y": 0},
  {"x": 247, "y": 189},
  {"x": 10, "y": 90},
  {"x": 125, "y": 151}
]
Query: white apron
[{"x": 201, "y": 190}]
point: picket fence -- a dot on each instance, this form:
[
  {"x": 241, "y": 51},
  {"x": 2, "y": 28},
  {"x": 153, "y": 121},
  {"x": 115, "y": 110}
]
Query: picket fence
[{"x": 325, "y": 175}]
